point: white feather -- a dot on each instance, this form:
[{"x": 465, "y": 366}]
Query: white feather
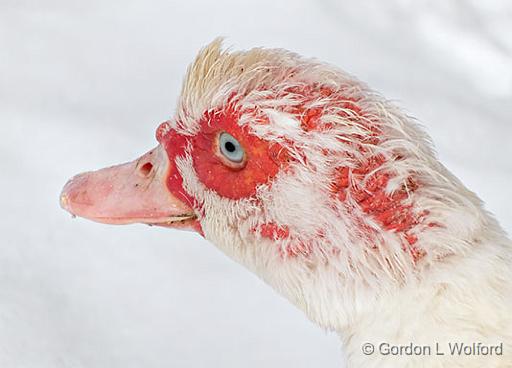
[{"x": 366, "y": 287}]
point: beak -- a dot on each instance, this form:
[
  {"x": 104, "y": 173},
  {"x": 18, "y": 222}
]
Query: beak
[{"x": 135, "y": 192}]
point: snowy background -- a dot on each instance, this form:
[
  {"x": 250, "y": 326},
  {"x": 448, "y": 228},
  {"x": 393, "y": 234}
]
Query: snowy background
[{"x": 84, "y": 84}]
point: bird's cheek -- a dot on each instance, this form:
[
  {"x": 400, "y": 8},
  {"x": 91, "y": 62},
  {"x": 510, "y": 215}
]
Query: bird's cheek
[{"x": 175, "y": 145}]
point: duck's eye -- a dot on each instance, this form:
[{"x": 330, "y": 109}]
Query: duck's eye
[{"x": 230, "y": 148}]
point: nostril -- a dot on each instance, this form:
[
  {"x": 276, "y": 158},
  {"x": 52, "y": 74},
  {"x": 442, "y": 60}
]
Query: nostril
[{"x": 145, "y": 169}]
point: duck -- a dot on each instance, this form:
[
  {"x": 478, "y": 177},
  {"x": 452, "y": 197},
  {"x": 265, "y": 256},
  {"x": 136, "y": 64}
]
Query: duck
[{"x": 333, "y": 196}]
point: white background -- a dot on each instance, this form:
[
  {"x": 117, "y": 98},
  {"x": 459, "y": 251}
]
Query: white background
[{"x": 84, "y": 84}]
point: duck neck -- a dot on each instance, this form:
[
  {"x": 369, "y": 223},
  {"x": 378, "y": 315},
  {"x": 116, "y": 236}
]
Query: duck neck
[{"x": 455, "y": 315}]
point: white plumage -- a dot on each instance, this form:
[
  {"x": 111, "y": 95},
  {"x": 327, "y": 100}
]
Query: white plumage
[{"x": 361, "y": 227}]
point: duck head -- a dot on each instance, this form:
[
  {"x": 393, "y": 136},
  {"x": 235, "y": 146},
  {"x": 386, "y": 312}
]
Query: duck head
[{"x": 298, "y": 171}]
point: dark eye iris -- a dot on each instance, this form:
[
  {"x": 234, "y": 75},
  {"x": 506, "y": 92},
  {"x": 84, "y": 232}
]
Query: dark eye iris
[{"x": 230, "y": 148}]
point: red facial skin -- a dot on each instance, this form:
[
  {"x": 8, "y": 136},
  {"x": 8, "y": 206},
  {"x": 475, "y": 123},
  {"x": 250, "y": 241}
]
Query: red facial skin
[
  {"x": 175, "y": 144},
  {"x": 234, "y": 183},
  {"x": 262, "y": 162}
]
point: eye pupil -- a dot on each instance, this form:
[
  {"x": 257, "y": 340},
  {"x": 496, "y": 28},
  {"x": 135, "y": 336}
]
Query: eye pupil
[{"x": 230, "y": 147}]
